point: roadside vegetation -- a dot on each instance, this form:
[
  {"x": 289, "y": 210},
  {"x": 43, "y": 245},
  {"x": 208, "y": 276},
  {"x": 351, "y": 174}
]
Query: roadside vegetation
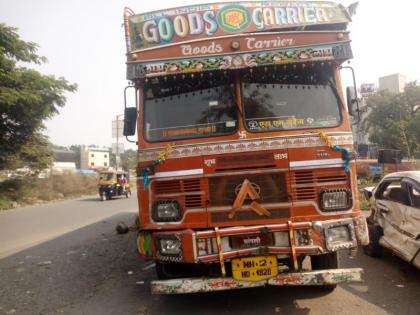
[
  {"x": 27, "y": 99},
  {"x": 29, "y": 190},
  {"x": 394, "y": 120}
]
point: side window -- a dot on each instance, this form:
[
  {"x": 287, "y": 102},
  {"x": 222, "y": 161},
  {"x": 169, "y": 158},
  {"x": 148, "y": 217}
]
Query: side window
[
  {"x": 394, "y": 191},
  {"x": 415, "y": 196}
]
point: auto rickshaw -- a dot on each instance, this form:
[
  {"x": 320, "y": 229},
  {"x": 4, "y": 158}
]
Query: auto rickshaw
[{"x": 113, "y": 184}]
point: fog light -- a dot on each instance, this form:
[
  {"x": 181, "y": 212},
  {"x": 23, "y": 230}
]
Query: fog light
[
  {"x": 167, "y": 210},
  {"x": 170, "y": 246},
  {"x": 337, "y": 235}
]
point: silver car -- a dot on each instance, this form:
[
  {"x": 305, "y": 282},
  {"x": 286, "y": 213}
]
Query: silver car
[{"x": 394, "y": 222}]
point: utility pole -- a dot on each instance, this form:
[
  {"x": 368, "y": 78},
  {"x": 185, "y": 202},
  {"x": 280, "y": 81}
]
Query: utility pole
[
  {"x": 116, "y": 134},
  {"x": 117, "y": 154}
]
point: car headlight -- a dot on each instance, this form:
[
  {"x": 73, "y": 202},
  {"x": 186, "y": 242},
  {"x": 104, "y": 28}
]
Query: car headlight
[
  {"x": 335, "y": 199},
  {"x": 166, "y": 210},
  {"x": 169, "y": 246}
]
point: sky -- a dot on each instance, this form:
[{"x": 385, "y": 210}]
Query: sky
[{"x": 84, "y": 42}]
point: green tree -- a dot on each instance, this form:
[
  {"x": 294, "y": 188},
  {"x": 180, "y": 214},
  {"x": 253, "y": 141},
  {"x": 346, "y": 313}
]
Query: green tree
[
  {"x": 27, "y": 99},
  {"x": 129, "y": 160},
  {"x": 394, "y": 120}
]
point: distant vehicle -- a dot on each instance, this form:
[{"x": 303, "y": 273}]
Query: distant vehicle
[
  {"x": 395, "y": 219},
  {"x": 113, "y": 184}
]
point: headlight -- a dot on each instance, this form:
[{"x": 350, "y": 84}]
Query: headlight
[
  {"x": 335, "y": 199},
  {"x": 338, "y": 235},
  {"x": 169, "y": 246},
  {"x": 167, "y": 210}
]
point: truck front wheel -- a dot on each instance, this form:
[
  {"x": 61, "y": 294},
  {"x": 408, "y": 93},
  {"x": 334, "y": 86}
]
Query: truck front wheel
[
  {"x": 167, "y": 270},
  {"x": 326, "y": 261}
]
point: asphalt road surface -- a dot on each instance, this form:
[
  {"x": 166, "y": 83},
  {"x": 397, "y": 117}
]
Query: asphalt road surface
[{"x": 80, "y": 265}]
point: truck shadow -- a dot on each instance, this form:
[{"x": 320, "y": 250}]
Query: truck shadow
[{"x": 269, "y": 300}]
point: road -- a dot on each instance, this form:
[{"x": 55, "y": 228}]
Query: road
[
  {"x": 88, "y": 268},
  {"x": 25, "y": 227}
]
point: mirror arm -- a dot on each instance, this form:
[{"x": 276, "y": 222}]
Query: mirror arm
[{"x": 355, "y": 90}]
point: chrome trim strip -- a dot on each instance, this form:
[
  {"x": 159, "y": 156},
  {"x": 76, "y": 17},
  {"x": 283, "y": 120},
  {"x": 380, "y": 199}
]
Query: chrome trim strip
[
  {"x": 315, "y": 162},
  {"x": 196, "y": 171},
  {"x": 320, "y": 166},
  {"x": 221, "y": 174}
]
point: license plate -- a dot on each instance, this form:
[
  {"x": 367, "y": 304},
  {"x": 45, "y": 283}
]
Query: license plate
[{"x": 254, "y": 268}]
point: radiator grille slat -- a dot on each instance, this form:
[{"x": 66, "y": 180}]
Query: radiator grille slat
[
  {"x": 189, "y": 190},
  {"x": 305, "y": 182}
]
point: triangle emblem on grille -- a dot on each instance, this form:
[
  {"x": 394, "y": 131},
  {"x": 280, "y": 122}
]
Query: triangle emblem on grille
[{"x": 247, "y": 190}]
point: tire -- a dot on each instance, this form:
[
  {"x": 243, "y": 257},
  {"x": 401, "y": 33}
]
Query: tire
[
  {"x": 165, "y": 270},
  {"x": 326, "y": 261},
  {"x": 373, "y": 249},
  {"x": 173, "y": 270}
]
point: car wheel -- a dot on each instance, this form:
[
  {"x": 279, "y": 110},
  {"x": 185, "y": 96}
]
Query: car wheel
[
  {"x": 326, "y": 261},
  {"x": 373, "y": 249}
]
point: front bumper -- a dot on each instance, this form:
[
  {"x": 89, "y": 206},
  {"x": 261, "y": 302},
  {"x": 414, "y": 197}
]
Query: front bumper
[
  {"x": 310, "y": 238},
  {"x": 306, "y": 278}
]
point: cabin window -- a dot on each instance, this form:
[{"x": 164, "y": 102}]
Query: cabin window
[
  {"x": 298, "y": 99},
  {"x": 190, "y": 106}
]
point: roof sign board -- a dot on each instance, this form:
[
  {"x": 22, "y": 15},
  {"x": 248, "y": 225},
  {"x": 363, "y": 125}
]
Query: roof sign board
[{"x": 223, "y": 19}]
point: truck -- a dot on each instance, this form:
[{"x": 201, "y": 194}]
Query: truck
[{"x": 246, "y": 174}]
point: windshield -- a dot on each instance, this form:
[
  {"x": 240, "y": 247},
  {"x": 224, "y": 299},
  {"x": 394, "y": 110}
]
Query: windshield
[
  {"x": 106, "y": 176},
  {"x": 298, "y": 99},
  {"x": 197, "y": 106}
]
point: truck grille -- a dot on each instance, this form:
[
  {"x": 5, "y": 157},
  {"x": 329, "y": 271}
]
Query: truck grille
[
  {"x": 271, "y": 188},
  {"x": 305, "y": 182},
  {"x": 188, "y": 191}
]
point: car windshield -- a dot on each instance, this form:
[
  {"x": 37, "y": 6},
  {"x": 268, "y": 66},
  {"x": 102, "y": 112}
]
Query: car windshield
[
  {"x": 106, "y": 176},
  {"x": 283, "y": 100},
  {"x": 190, "y": 106}
]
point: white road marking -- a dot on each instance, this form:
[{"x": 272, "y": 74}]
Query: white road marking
[{"x": 148, "y": 267}]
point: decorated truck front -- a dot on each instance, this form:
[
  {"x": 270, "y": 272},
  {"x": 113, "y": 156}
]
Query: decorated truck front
[{"x": 245, "y": 148}]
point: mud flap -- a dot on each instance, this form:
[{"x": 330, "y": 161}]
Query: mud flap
[{"x": 308, "y": 278}]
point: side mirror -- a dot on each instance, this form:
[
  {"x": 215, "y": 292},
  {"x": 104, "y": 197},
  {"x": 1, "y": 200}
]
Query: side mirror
[
  {"x": 130, "y": 120},
  {"x": 367, "y": 192},
  {"x": 351, "y": 100}
]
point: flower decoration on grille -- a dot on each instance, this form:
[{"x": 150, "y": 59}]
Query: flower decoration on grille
[
  {"x": 150, "y": 169},
  {"x": 346, "y": 153}
]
